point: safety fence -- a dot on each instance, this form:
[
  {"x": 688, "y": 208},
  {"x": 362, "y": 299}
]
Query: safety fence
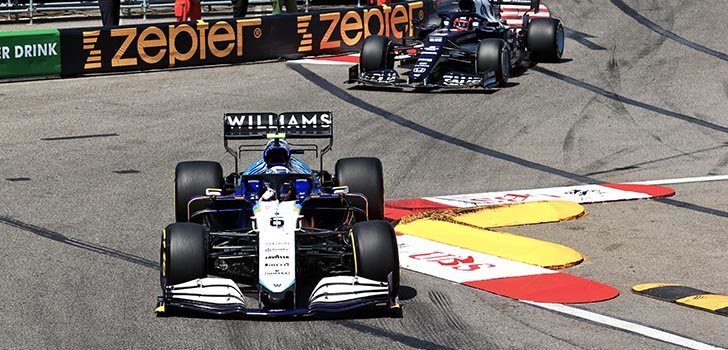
[
  {"x": 144, "y": 7},
  {"x": 83, "y": 51}
]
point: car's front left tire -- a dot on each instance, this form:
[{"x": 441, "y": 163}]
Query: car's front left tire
[
  {"x": 376, "y": 53},
  {"x": 183, "y": 253},
  {"x": 494, "y": 55}
]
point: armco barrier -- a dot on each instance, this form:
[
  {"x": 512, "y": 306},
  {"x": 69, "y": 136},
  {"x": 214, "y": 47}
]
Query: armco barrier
[
  {"x": 30, "y": 53},
  {"x": 159, "y": 46}
]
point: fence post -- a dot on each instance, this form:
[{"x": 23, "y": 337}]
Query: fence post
[
  {"x": 144, "y": 9},
  {"x": 30, "y": 11}
]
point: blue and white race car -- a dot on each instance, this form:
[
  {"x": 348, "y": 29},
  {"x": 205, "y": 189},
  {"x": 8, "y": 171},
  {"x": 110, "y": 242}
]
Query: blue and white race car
[{"x": 279, "y": 238}]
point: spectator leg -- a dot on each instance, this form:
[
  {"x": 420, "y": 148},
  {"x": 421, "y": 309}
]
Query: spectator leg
[{"x": 240, "y": 8}]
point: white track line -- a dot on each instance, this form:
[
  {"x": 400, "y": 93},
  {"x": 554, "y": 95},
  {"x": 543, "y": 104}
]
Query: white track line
[
  {"x": 682, "y": 180},
  {"x": 626, "y": 326}
]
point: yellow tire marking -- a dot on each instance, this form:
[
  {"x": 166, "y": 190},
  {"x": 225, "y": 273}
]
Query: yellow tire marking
[
  {"x": 164, "y": 252},
  {"x": 353, "y": 248}
]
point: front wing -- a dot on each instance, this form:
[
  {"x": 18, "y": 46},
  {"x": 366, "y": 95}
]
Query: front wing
[
  {"x": 221, "y": 296},
  {"x": 390, "y": 78}
]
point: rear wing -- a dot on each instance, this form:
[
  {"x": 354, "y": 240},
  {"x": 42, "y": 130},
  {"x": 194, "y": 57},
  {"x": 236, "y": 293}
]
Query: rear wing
[
  {"x": 534, "y": 5},
  {"x": 290, "y": 125},
  {"x": 247, "y": 126}
]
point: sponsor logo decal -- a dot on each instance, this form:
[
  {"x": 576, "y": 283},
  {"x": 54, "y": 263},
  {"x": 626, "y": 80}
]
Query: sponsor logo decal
[
  {"x": 277, "y": 257},
  {"x": 460, "y": 263},
  {"x": 275, "y": 122},
  {"x": 157, "y": 44},
  {"x": 350, "y": 28},
  {"x": 28, "y": 51}
]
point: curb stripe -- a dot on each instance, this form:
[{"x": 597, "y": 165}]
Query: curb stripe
[
  {"x": 712, "y": 302},
  {"x": 469, "y": 228},
  {"x": 683, "y": 295},
  {"x": 582, "y": 194},
  {"x": 670, "y": 293},
  {"x": 551, "y": 288},
  {"x": 496, "y": 275}
]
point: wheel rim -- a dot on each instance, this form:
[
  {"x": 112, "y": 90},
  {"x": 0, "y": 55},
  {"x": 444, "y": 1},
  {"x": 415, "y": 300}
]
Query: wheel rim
[
  {"x": 505, "y": 63},
  {"x": 559, "y": 41}
]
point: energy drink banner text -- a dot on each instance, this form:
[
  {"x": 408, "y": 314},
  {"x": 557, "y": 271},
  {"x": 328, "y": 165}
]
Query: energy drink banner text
[
  {"x": 29, "y": 53},
  {"x": 159, "y": 46}
]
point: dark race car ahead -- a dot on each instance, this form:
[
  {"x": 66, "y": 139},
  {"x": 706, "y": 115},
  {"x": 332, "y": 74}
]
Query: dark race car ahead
[
  {"x": 279, "y": 238},
  {"x": 476, "y": 46}
]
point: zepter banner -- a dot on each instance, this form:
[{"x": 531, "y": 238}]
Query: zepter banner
[{"x": 168, "y": 45}]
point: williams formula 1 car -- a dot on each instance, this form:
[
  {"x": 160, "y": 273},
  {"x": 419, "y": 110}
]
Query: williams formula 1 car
[
  {"x": 475, "y": 46},
  {"x": 279, "y": 238}
]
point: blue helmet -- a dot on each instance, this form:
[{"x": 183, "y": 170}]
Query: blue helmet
[{"x": 277, "y": 153}]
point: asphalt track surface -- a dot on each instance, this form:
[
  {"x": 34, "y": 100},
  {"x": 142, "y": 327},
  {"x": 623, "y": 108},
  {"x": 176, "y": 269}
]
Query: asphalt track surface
[{"x": 642, "y": 95}]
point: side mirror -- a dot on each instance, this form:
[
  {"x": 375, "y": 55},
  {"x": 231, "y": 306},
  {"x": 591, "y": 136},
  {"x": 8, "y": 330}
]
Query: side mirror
[
  {"x": 341, "y": 190},
  {"x": 213, "y": 192}
]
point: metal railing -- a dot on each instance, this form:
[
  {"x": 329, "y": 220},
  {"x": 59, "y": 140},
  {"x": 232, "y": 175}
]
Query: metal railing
[{"x": 16, "y": 7}]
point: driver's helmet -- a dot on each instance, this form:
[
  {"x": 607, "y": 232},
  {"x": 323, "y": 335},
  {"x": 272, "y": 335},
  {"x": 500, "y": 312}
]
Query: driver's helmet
[
  {"x": 462, "y": 23},
  {"x": 276, "y": 153}
]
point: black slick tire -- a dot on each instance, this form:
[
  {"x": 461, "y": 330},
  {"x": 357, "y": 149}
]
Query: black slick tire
[
  {"x": 494, "y": 55},
  {"x": 192, "y": 179},
  {"x": 376, "y": 53},
  {"x": 375, "y": 251},
  {"x": 183, "y": 253},
  {"x": 545, "y": 40},
  {"x": 363, "y": 175}
]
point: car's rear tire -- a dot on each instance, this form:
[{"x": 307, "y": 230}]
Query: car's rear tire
[
  {"x": 494, "y": 55},
  {"x": 376, "y": 53},
  {"x": 375, "y": 251},
  {"x": 545, "y": 40},
  {"x": 192, "y": 179},
  {"x": 363, "y": 175},
  {"x": 183, "y": 253}
]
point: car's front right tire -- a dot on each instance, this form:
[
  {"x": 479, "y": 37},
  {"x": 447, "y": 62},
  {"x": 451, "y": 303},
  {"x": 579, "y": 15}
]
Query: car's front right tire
[
  {"x": 375, "y": 251},
  {"x": 191, "y": 179},
  {"x": 545, "y": 40},
  {"x": 363, "y": 175}
]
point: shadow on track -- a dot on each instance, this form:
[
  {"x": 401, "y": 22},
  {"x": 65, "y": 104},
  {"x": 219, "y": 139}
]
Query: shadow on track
[
  {"x": 666, "y": 33},
  {"x": 395, "y": 337},
  {"x": 583, "y": 38}
]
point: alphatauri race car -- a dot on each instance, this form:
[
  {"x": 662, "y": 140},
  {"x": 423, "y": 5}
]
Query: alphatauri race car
[
  {"x": 474, "y": 46},
  {"x": 279, "y": 238}
]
